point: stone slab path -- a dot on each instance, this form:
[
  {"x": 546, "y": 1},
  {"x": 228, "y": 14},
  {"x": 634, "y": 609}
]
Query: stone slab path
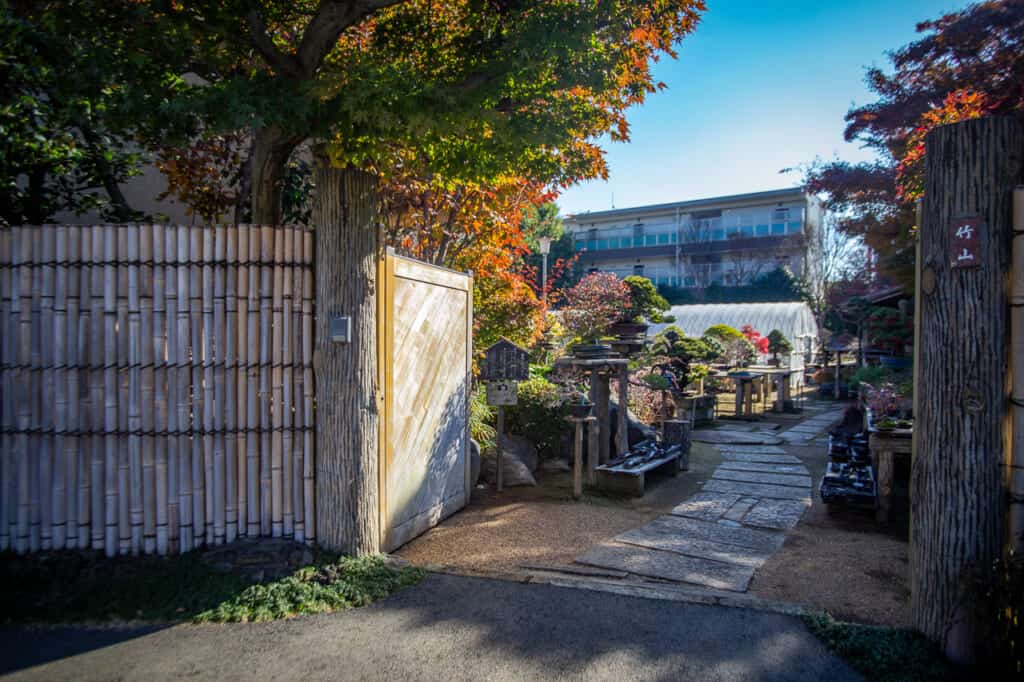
[{"x": 719, "y": 537}]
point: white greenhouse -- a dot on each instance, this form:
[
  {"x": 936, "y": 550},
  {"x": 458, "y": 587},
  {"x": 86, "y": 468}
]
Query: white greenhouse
[{"x": 795, "y": 320}]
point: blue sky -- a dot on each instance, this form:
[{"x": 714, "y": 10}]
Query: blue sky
[{"x": 760, "y": 86}]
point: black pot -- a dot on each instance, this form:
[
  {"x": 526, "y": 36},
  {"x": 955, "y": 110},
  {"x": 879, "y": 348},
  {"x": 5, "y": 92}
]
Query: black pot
[
  {"x": 628, "y": 329},
  {"x": 581, "y": 410},
  {"x": 591, "y": 351}
]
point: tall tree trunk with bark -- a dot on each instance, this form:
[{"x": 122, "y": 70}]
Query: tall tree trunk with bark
[
  {"x": 961, "y": 429},
  {"x": 268, "y": 159},
  {"x": 349, "y": 245}
]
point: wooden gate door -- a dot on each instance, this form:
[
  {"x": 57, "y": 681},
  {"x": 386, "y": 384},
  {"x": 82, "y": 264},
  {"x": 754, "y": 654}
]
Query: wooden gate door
[{"x": 426, "y": 353}]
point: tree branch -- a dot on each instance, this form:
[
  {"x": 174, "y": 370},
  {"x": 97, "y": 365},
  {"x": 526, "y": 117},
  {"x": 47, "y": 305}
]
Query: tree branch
[
  {"x": 261, "y": 40},
  {"x": 331, "y": 18}
]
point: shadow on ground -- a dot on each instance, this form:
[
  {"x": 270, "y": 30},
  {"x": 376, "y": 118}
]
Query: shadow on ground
[{"x": 462, "y": 628}]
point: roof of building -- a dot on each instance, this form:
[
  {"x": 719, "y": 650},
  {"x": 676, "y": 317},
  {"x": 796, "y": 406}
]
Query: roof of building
[
  {"x": 793, "y": 319},
  {"x": 769, "y": 195}
]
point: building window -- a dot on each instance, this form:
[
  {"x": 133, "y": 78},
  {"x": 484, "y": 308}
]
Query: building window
[
  {"x": 780, "y": 215},
  {"x": 638, "y": 270},
  {"x": 794, "y": 228},
  {"x": 778, "y": 228}
]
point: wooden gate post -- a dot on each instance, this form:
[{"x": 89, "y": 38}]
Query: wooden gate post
[
  {"x": 962, "y": 434},
  {"x": 349, "y": 401}
]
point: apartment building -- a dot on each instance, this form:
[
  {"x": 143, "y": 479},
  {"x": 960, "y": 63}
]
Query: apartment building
[{"x": 729, "y": 240}]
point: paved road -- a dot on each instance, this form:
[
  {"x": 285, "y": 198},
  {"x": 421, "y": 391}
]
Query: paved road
[{"x": 449, "y": 628}]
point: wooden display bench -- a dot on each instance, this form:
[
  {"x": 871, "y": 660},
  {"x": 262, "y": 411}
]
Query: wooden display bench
[
  {"x": 632, "y": 482},
  {"x": 885, "y": 446}
]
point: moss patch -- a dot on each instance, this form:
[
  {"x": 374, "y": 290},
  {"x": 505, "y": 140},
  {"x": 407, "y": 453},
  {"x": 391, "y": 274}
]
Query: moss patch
[
  {"x": 67, "y": 587},
  {"x": 884, "y": 654}
]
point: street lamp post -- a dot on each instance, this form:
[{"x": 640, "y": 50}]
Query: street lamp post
[{"x": 545, "y": 249}]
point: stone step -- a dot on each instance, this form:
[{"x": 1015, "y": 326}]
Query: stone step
[
  {"x": 795, "y": 481},
  {"x": 655, "y": 563},
  {"x": 778, "y": 492}
]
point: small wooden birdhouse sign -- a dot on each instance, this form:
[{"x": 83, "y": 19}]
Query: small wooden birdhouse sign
[{"x": 505, "y": 361}]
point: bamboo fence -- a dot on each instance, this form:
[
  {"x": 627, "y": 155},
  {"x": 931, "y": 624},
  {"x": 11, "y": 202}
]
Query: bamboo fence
[{"x": 156, "y": 386}]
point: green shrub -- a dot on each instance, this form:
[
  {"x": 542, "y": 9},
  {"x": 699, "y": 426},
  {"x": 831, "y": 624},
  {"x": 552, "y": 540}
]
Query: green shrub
[
  {"x": 539, "y": 415},
  {"x": 481, "y": 420},
  {"x": 647, "y": 303},
  {"x": 723, "y": 332},
  {"x": 882, "y": 654},
  {"x": 778, "y": 343}
]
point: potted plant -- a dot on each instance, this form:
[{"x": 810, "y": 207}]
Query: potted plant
[
  {"x": 571, "y": 393},
  {"x": 591, "y": 307},
  {"x": 778, "y": 343},
  {"x": 645, "y": 305}
]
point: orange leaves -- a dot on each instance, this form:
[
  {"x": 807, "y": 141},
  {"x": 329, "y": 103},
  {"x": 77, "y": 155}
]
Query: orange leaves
[{"x": 959, "y": 105}]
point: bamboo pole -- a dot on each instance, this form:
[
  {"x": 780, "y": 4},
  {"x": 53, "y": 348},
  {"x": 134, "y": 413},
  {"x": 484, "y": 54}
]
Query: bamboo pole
[
  {"x": 210, "y": 490},
  {"x": 6, "y": 388},
  {"x": 172, "y": 356},
  {"x": 265, "y": 359},
  {"x": 213, "y": 315},
  {"x": 110, "y": 389},
  {"x": 61, "y": 399},
  {"x": 135, "y": 476},
  {"x": 23, "y": 279},
  {"x": 277, "y": 359},
  {"x": 97, "y": 485},
  {"x": 284, "y": 391},
  {"x": 122, "y": 374},
  {"x": 80, "y": 252},
  {"x": 252, "y": 444},
  {"x": 158, "y": 355},
  {"x": 124, "y": 390},
  {"x": 45, "y": 423},
  {"x": 195, "y": 307},
  {"x": 184, "y": 388},
  {"x": 308, "y": 465},
  {"x": 147, "y": 389},
  {"x": 229, "y": 381},
  {"x": 36, "y": 453},
  {"x": 242, "y": 377},
  {"x": 299, "y": 532}
]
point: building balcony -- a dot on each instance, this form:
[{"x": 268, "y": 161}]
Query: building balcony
[{"x": 793, "y": 241}]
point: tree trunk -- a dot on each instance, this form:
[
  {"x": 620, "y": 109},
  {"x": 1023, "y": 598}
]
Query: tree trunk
[
  {"x": 348, "y": 248},
  {"x": 961, "y": 430},
  {"x": 268, "y": 158}
]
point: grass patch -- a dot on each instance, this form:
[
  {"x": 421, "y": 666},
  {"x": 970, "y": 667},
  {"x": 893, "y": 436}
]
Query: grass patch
[
  {"x": 68, "y": 587},
  {"x": 884, "y": 654},
  {"x": 342, "y": 584}
]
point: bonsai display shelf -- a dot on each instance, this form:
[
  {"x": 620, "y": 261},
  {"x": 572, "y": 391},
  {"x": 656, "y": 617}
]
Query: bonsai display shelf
[{"x": 632, "y": 481}]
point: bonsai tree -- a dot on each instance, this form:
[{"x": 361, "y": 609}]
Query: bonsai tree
[
  {"x": 737, "y": 349},
  {"x": 760, "y": 343},
  {"x": 594, "y": 304},
  {"x": 646, "y": 302},
  {"x": 778, "y": 343},
  {"x": 678, "y": 358}
]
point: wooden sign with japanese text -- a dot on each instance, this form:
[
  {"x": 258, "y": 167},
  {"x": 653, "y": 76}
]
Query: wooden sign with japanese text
[
  {"x": 965, "y": 242},
  {"x": 505, "y": 360},
  {"x": 502, "y": 393}
]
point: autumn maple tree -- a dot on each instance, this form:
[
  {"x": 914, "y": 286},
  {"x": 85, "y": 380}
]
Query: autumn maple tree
[{"x": 965, "y": 65}]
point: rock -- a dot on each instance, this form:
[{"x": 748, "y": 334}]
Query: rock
[
  {"x": 474, "y": 463},
  {"x": 522, "y": 449},
  {"x": 514, "y": 472},
  {"x": 555, "y": 466},
  {"x": 636, "y": 430}
]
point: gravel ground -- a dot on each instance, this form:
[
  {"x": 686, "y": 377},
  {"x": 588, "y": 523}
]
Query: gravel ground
[
  {"x": 498, "y": 533},
  {"x": 843, "y": 562}
]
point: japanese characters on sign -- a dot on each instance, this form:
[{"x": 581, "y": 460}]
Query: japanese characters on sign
[
  {"x": 505, "y": 360},
  {"x": 501, "y": 393},
  {"x": 965, "y": 242}
]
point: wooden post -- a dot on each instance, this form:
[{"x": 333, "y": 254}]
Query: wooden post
[
  {"x": 739, "y": 396},
  {"x": 500, "y": 455},
  {"x": 958, "y": 473},
  {"x": 603, "y": 421},
  {"x": 622, "y": 428},
  {"x": 577, "y": 460},
  {"x": 593, "y": 450},
  {"x": 347, "y": 430},
  {"x": 1015, "y": 465}
]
